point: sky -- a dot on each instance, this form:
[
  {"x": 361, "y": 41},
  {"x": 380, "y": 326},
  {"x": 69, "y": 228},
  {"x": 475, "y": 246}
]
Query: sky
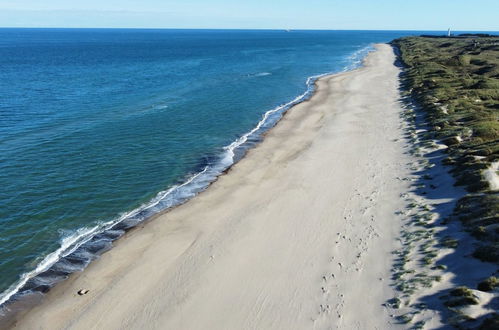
[{"x": 460, "y": 15}]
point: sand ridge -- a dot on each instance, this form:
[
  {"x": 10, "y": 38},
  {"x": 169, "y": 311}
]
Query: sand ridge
[{"x": 297, "y": 235}]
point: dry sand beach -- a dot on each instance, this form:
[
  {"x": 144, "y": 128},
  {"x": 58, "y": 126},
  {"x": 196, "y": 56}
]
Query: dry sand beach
[{"x": 297, "y": 235}]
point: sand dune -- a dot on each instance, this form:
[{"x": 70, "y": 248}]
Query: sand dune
[{"x": 297, "y": 235}]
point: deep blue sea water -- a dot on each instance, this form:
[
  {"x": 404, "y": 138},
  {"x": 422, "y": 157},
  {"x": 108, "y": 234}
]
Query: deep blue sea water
[{"x": 101, "y": 128}]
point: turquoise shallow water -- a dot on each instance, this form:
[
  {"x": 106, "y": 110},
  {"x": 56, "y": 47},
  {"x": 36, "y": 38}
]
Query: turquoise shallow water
[{"x": 100, "y": 129}]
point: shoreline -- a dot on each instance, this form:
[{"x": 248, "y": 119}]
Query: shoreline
[
  {"x": 22, "y": 305},
  {"x": 200, "y": 180},
  {"x": 184, "y": 237}
]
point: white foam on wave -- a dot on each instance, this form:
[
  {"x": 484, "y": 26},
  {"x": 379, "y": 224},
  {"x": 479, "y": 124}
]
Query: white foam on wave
[
  {"x": 263, "y": 74},
  {"x": 357, "y": 57},
  {"x": 72, "y": 242},
  {"x": 240, "y": 141},
  {"x": 176, "y": 194},
  {"x": 160, "y": 106},
  {"x": 68, "y": 245}
]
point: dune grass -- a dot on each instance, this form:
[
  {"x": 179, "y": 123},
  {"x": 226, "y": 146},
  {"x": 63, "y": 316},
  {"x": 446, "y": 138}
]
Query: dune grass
[{"x": 456, "y": 82}]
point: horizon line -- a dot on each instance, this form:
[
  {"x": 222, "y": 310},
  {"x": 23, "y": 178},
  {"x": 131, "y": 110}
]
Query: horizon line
[{"x": 237, "y": 29}]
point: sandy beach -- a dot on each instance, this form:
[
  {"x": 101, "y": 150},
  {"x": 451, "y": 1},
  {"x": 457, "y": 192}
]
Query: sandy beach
[{"x": 297, "y": 235}]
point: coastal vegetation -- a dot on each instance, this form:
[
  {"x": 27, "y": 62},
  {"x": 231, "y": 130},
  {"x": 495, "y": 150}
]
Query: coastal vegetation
[{"x": 456, "y": 83}]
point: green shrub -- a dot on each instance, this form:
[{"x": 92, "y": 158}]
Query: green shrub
[
  {"x": 461, "y": 296},
  {"x": 489, "y": 284},
  {"x": 487, "y": 130}
]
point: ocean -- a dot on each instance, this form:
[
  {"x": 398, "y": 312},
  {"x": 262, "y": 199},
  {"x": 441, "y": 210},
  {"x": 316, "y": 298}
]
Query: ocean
[{"x": 102, "y": 128}]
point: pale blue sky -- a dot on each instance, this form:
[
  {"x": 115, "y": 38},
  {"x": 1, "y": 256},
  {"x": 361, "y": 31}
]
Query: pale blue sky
[{"x": 260, "y": 14}]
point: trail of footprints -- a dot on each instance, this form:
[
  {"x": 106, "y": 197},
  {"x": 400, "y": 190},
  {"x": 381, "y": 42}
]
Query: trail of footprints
[
  {"x": 333, "y": 296},
  {"x": 418, "y": 250}
]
